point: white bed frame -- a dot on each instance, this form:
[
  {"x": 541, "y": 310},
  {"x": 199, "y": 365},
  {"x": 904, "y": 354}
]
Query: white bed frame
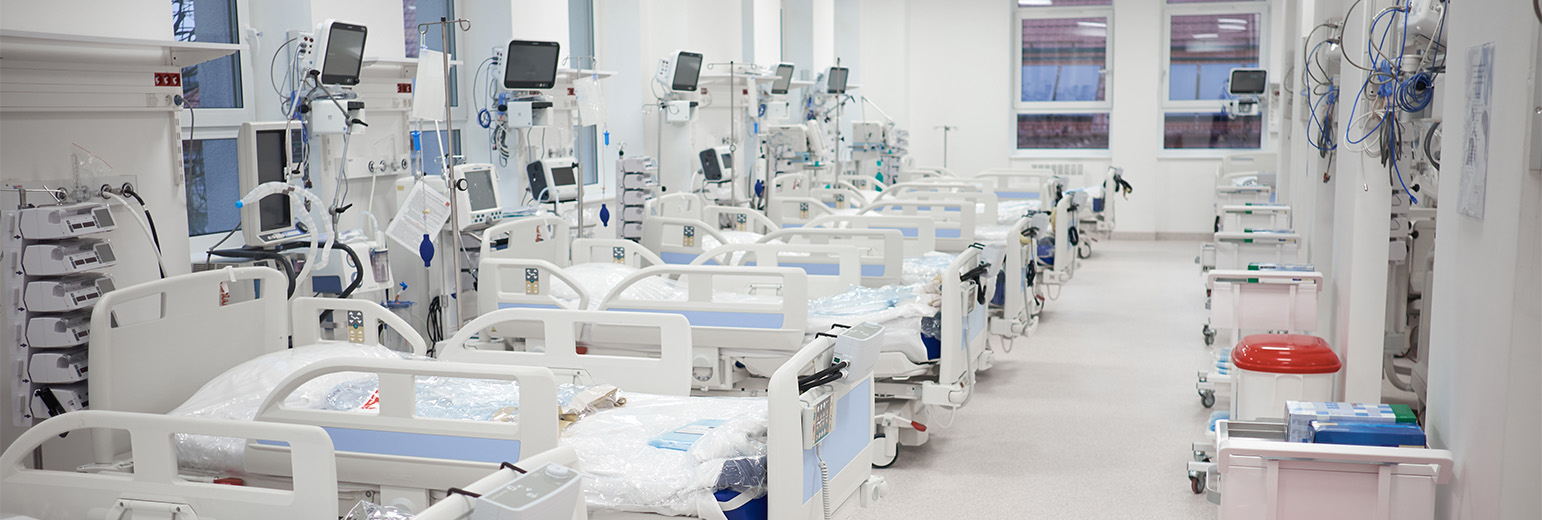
[
  {"x": 793, "y": 480},
  {"x": 918, "y": 232},
  {"x": 676, "y": 226},
  {"x": 549, "y": 238},
  {"x": 830, "y": 269},
  {"x": 1240, "y": 218},
  {"x": 955, "y": 219}
]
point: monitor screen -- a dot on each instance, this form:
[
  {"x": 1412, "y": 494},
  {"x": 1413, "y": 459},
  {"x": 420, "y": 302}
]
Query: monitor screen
[
  {"x": 479, "y": 190},
  {"x": 1246, "y": 82},
  {"x": 836, "y": 81},
  {"x": 687, "y": 71},
  {"x": 710, "y": 168},
  {"x": 272, "y": 161},
  {"x": 531, "y": 65},
  {"x": 563, "y": 176},
  {"x": 783, "y": 79},
  {"x": 344, "y": 54}
]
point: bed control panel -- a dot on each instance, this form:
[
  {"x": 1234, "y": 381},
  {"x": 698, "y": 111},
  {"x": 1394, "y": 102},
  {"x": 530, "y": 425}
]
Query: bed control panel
[
  {"x": 551, "y": 491},
  {"x": 818, "y": 414}
]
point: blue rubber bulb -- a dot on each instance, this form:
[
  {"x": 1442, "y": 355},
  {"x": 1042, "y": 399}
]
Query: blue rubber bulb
[
  {"x": 760, "y": 188},
  {"x": 426, "y": 250},
  {"x": 604, "y": 216}
]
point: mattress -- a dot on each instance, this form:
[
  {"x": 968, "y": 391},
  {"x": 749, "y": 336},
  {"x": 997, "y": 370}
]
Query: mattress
[{"x": 618, "y": 454}]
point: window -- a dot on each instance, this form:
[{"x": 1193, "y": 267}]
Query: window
[
  {"x": 215, "y": 83},
  {"x": 1204, "y": 43},
  {"x": 415, "y": 12},
  {"x": 212, "y": 185},
  {"x": 1063, "y": 74}
]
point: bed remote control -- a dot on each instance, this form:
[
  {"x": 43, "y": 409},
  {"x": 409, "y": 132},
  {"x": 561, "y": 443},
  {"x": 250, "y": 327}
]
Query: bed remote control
[{"x": 549, "y": 492}]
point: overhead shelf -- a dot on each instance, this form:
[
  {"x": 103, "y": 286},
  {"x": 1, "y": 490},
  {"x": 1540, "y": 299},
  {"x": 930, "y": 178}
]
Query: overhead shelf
[{"x": 30, "y": 45}]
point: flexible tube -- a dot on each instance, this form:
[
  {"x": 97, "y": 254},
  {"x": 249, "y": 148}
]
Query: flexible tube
[
  {"x": 314, "y": 258},
  {"x": 138, "y": 219}
]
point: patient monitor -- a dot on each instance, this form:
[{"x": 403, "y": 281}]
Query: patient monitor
[
  {"x": 269, "y": 152},
  {"x": 680, "y": 71},
  {"x": 835, "y": 81},
  {"x": 478, "y": 193},
  {"x": 341, "y": 55},
  {"x": 1246, "y": 85},
  {"x": 553, "y": 180},
  {"x": 783, "y": 79},
  {"x": 531, "y": 65}
]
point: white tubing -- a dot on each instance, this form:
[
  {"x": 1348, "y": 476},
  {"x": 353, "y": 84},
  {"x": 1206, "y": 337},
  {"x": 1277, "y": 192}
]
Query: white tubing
[
  {"x": 314, "y": 258},
  {"x": 143, "y": 226}
]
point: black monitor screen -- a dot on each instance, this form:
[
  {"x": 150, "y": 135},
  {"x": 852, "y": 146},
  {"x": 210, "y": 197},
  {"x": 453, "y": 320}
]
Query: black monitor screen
[
  {"x": 783, "y": 79},
  {"x": 272, "y": 161},
  {"x": 563, "y": 176},
  {"x": 344, "y": 54},
  {"x": 687, "y": 71},
  {"x": 837, "y": 80},
  {"x": 479, "y": 190},
  {"x": 1248, "y": 82},
  {"x": 531, "y": 65}
]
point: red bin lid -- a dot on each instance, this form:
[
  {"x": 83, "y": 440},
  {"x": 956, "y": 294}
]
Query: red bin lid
[{"x": 1285, "y": 354}]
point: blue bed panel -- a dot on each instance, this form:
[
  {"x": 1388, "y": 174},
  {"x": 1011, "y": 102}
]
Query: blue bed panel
[
  {"x": 852, "y": 434},
  {"x": 502, "y": 305},
  {"x": 742, "y": 320},
  {"x": 447, "y": 447},
  {"x": 1019, "y": 195}
]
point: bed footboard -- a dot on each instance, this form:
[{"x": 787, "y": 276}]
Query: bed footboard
[
  {"x": 831, "y": 269},
  {"x": 154, "y": 486},
  {"x": 919, "y": 233},
  {"x": 795, "y": 485},
  {"x": 882, "y": 250},
  {"x": 954, "y": 218}
]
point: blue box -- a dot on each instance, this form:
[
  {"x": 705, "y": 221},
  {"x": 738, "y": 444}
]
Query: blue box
[{"x": 1392, "y": 435}]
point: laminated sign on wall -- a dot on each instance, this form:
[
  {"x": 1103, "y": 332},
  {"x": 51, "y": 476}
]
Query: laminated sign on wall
[{"x": 1480, "y": 99}]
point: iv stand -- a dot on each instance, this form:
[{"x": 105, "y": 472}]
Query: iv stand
[
  {"x": 945, "y": 129},
  {"x": 449, "y": 169}
]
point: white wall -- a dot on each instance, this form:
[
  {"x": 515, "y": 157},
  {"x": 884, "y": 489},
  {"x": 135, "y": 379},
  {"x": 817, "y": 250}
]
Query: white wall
[
  {"x": 106, "y": 18},
  {"x": 1486, "y": 341},
  {"x": 959, "y": 74}
]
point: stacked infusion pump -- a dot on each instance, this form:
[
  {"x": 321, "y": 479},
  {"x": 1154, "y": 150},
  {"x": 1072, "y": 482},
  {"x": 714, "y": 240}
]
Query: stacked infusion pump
[{"x": 55, "y": 262}]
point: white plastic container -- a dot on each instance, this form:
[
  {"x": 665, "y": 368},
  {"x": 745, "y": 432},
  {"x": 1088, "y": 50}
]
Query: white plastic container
[
  {"x": 1270, "y": 369},
  {"x": 1278, "y": 480}
]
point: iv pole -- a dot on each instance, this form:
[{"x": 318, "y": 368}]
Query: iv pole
[{"x": 449, "y": 169}]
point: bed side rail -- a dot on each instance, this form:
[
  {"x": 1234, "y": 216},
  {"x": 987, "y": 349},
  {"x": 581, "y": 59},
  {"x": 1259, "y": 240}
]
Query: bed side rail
[
  {"x": 919, "y": 233},
  {"x": 561, "y": 331},
  {"x": 678, "y": 240},
  {"x": 955, "y": 219},
  {"x": 723, "y": 318},
  {"x": 882, "y": 250},
  {"x": 154, "y": 486},
  {"x": 793, "y": 212},
  {"x": 794, "y": 484},
  {"x": 395, "y": 446},
  {"x": 831, "y": 269},
  {"x": 738, "y": 219},
  {"x": 510, "y": 283}
]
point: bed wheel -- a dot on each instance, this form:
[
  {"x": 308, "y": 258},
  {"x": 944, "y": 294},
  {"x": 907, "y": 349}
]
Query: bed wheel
[
  {"x": 1084, "y": 250},
  {"x": 1196, "y": 482},
  {"x": 879, "y": 454},
  {"x": 1207, "y": 398}
]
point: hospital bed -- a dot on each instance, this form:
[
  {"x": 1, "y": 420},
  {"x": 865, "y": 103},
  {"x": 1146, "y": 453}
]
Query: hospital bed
[
  {"x": 829, "y": 478},
  {"x": 578, "y": 270},
  {"x": 1098, "y": 220}
]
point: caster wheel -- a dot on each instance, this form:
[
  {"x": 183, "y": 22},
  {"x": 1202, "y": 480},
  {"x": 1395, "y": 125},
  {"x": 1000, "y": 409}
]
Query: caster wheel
[
  {"x": 1197, "y": 483},
  {"x": 878, "y": 453},
  {"x": 1209, "y": 337},
  {"x": 1207, "y": 399},
  {"x": 1084, "y": 251}
]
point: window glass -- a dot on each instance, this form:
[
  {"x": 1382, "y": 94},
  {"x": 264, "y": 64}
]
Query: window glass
[
  {"x": 1205, "y": 48},
  {"x": 215, "y": 83},
  {"x": 213, "y": 185},
  {"x": 1051, "y": 131},
  {"x": 1211, "y": 130},
  {"x": 415, "y": 12},
  {"x": 1063, "y": 59},
  {"x": 1062, "y": 3},
  {"x": 433, "y": 158}
]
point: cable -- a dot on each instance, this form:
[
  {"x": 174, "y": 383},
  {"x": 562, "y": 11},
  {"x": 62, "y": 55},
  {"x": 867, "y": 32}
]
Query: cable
[
  {"x": 435, "y": 323},
  {"x": 1428, "y": 138},
  {"x": 259, "y": 254},
  {"x": 272, "y": 78},
  {"x": 143, "y": 226},
  {"x": 824, "y": 480}
]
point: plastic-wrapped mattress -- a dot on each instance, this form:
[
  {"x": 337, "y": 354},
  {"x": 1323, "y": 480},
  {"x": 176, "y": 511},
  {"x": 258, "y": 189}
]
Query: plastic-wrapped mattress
[{"x": 619, "y": 448}]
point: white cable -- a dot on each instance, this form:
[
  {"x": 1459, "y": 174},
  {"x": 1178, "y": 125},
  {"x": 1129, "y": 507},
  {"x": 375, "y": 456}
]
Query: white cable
[
  {"x": 824, "y": 480},
  {"x": 143, "y": 226}
]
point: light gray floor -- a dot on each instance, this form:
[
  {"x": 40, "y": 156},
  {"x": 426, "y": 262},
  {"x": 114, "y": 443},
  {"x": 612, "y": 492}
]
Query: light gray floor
[{"x": 1091, "y": 417}]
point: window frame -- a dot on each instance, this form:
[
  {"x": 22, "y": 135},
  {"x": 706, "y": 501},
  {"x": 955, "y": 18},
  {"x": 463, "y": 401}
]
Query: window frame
[
  {"x": 1170, "y": 106},
  {"x": 1020, "y": 107},
  {"x": 231, "y": 118}
]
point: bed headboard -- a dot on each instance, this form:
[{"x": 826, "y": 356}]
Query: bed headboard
[
  {"x": 1018, "y": 185},
  {"x": 541, "y": 238},
  {"x": 370, "y": 315},
  {"x": 882, "y": 251},
  {"x": 668, "y": 373},
  {"x": 792, "y": 212}
]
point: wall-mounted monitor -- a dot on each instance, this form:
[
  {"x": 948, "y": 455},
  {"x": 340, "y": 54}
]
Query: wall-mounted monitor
[
  {"x": 1248, "y": 82},
  {"x": 783, "y": 79},
  {"x": 553, "y": 179},
  {"x": 269, "y": 152},
  {"x": 680, "y": 71},
  {"x": 835, "y": 82},
  {"x": 530, "y": 65},
  {"x": 340, "y": 48}
]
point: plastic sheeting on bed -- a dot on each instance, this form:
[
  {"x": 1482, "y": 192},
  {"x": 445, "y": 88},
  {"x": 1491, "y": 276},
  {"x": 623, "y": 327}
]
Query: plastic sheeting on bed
[
  {"x": 901, "y": 309},
  {"x": 621, "y": 470}
]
